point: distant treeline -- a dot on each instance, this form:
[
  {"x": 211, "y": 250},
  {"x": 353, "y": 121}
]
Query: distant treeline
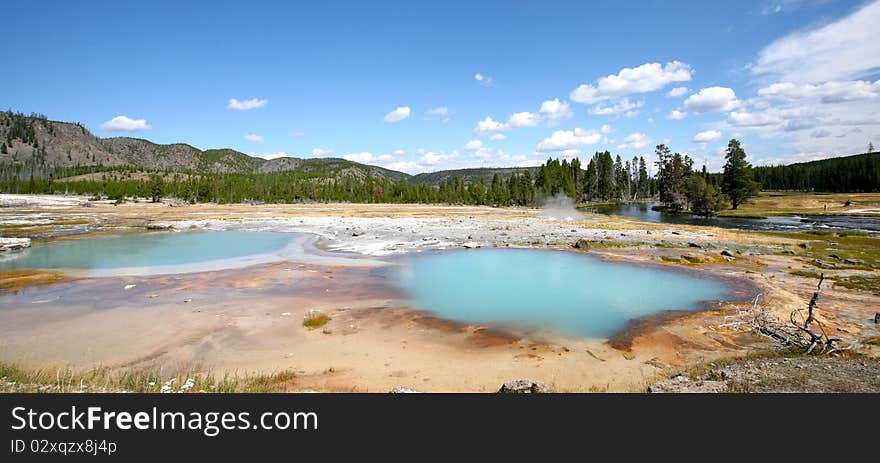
[{"x": 859, "y": 173}]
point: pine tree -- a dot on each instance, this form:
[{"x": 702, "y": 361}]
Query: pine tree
[{"x": 737, "y": 181}]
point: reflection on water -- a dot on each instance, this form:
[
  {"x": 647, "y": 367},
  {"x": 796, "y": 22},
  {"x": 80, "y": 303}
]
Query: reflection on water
[
  {"x": 559, "y": 290},
  {"x": 643, "y": 212}
]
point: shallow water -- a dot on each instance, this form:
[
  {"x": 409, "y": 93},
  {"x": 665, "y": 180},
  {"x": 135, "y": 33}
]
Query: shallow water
[
  {"x": 644, "y": 213},
  {"x": 563, "y": 291},
  {"x": 160, "y": 249}
]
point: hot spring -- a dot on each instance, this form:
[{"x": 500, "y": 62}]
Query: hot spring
[{"x": 565, "y": 291}]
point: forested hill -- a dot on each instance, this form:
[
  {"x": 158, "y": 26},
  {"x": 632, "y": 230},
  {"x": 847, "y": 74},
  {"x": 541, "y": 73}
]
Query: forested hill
[
  {"x": 858, "y": 173},
  {"x": 38, "y": 146},
  {"x": 480, "y": 174}
]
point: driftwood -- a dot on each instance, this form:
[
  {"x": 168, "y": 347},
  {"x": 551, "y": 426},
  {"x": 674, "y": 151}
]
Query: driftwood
[{"x": 803, "y": 335}]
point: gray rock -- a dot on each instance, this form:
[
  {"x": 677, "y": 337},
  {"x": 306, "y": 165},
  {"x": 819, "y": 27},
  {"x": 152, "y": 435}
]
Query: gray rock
[
  {"x": 726, "y": 253},
  {"x": 822, "y": 264},
  {"x": 582, "y": 244},
  {"x": 470, "y": 245},
  {"x": 694, "y": 245},
  {"x": 524, "y": 386},
  {"x": 854, "y": 261}
]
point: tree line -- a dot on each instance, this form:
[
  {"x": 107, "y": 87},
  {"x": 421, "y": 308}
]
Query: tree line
[{"x": 859, "y": 173}]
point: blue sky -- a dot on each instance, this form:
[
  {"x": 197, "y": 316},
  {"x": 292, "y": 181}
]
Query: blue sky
[{"x": 396, "y": 83}]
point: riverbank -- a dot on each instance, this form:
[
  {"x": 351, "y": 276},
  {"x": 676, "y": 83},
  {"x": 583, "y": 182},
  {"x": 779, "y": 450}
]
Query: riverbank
[
  {"x": 772, "y": 204},
  {"x": 249, "y": 321}
]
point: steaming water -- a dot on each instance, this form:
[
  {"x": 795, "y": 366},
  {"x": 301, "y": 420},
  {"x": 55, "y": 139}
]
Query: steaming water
[
  {"x": 559, "y": 290},
  {"x": 559, "y": 207},
  {"x": 168, "y": 251}
]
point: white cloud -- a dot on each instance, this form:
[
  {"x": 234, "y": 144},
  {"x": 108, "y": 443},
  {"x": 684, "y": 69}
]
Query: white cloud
[
  {"x": 828, "y": 92},
  {"x": 677, "y": 91},
  {"x": 676, "y": 115},
  {"x": 712, "y": 99},
  {"x": 438, "y": 111},
  {"x": 432, "y": 157},
  {"x": 489, "y": 125},
  {"x": 523, "y": 119},
  {"x": 648, "y": 77},
  {"x": 484, "y": 80},
  {"x": 623, "y": 106},
  {"x": 606, "y": 129},
  {"x": 752, "y": 119},
  {"x": 399, "y": 152},
  {"x": 635, "y": 141},
  {"x": 516, "y": 120},
  {"x": 400, "y": 113},
  {"x": 362, "y": 157},
  {"x": 555, "y": 110},
  {"x": 253, "y": 103},
  {"x": 254, "y": 138},
  {"x": 498, "y": 136},
  {"x": 707, "y": 136},
  {"x": 317, "y": 152},
  {"x": 280, "y": 154},
  {"x": 125, "y": 124},
  {"x": 473, "y": 145},
  {"x": 562, "y": 140},
  {"x": 844, "y": 49},
  {"x": 296, "y": 134}
]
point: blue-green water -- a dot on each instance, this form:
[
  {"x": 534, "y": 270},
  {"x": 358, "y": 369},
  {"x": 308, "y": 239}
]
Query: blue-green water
[
  {"x": 564, "y": 291},
  {"x": 147, "y": 250}
]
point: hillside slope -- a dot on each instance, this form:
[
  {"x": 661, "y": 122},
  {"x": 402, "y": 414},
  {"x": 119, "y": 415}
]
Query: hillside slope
[{"x": 35, "y": 140}]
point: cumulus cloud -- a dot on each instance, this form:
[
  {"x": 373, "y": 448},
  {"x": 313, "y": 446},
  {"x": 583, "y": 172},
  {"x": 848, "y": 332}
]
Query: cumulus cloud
[
  {"x": 523, "y": 119},
  {"x": 648, "y": 77},
  {"x": 828, "y": 92},
  {"x": 362, "y": 157},
  {"x": 489, "y": 125},
  {"x": 841, "y": 50},
  {"x": 635, "y": 141},
  {"x": 498, "y": 136},
  {"x": 707, "y": 137},
  {"x": 623, "y": 106},
  {"x": 254, "y": 138},
  {"x": 562, "y": 140},
  {"x": 321, "y": 152},
  {"x": 253, "y": 103},
  {"x": 473, "y": 145},
  {"x": 432, "y": 158},
  {"x": 438, "y": 111},
  {"x": 400, "y": 113},
  {"x": 555, "y": 110},
  {"x": 712, "y": 99},
  {"x": 125, "y": 124},
  {"x": 676, "y": 115},
  {"x": 515, "y": 121},
  {"x": 677, "y": 92}
]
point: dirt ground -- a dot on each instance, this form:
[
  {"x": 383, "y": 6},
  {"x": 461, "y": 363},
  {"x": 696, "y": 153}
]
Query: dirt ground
[{"x": 251, "y": 321}]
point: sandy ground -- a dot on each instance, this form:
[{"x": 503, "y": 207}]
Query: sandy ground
[{"x": 250, "y": 320}]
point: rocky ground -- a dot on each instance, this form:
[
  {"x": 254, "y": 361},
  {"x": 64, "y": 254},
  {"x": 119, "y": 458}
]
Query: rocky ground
[
  {"x": 814, "y": 373},
  {"x": 781, "y": 267}
]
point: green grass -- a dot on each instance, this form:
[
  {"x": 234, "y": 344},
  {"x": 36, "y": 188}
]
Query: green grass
[
  {"x": 316, "y": 320},
  {"x": 859, "y": 283},
  {"x": 105, "y": 379}
]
